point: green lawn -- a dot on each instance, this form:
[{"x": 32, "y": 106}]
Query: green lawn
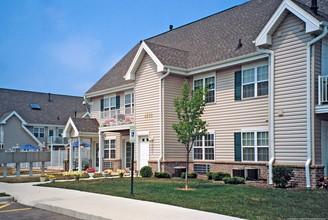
[{"x": 234, "y": 200}]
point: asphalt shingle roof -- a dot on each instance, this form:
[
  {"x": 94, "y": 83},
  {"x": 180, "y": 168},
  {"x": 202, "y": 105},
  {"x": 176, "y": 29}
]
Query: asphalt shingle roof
[
  {"x": 86, "y": 124},
  {"x": 208, "y": 40},
  {"x": 56, "y": 112}
]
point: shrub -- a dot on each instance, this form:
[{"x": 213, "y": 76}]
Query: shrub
[
  {"x": 281, "y": 176},
  {"x": 162, "y": 175},
  {"x": 219, "y": 176},
  {"x": 209, "y": 175},
  {"x": 146, "y": 171},
  {"x": 190, "y": 175},
  {"x": 234, "y": 180}
]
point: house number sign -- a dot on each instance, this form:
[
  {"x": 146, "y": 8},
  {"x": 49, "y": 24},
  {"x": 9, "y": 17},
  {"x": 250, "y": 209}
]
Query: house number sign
[{"x": 148, "y": 115}]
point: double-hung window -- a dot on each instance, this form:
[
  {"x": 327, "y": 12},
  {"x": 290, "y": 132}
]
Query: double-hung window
[
  {"x": 207, "y": 82},
  {"x": 110, "y": 149},
  {"x": 255, "y": 81},
  {"x": 38, "y": 132},
  {"x": 255, "y": 146},
  {"x": 129, "y": 103},
  {"x": 204, "y": 147}
]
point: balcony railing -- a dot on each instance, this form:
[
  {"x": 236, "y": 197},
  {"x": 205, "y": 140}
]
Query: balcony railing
[
  {"x": 323, "y": 90},
  {"x": 123, "y": 116},
  {"x": 57, "y": 140}
]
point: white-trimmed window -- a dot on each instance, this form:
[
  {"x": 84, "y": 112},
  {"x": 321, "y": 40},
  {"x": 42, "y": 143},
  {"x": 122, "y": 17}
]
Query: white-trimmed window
[
  {"x": 1, "y": 134},
  {"x": 129, "y": 103},
  {"x": 255, "y": 81},
  {"x": 255, "y": 146},
  {"x": 109, "y": 149},
  {"x": 203, "y": 148},
  {"x": 110, "y": 103},
  {"x": 206, "y": 82},
  {"x": 38, "y": 132}
]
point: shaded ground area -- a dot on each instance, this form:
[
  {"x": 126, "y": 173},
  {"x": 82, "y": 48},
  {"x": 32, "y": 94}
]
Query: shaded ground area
[{"x": 16, "y": 211}]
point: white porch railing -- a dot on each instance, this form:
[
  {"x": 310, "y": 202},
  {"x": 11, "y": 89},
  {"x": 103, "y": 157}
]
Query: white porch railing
[
  {"x": 123, "y": 116},
  {"x": 323, "y": 90},
  {"x": 57, "y": 140}
]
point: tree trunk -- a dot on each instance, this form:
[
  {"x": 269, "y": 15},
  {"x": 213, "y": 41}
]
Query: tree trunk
[{"x": 187, "y": 171}]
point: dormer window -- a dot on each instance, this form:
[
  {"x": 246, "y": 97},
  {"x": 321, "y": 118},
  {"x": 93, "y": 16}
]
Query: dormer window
[{"x": 35, "y": 106}]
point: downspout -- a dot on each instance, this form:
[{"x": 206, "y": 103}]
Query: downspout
[
  {"x": 308, "y": 104},
  {"x": 271, "y": 111},
  {"x": 161, "y": 122}
]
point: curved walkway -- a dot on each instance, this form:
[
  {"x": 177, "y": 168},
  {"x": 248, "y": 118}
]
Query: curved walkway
[{"x": 86, "y": 205}]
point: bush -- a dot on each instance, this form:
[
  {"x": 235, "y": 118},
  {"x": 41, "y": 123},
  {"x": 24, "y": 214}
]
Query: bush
[
  {"x": 162, "y": 175},
  {"x": 190, "y": 175},
  {"x": 219, "y": 176},
  {"x": 146, "y": 171},
  {"x": 234, "y": 180},
  {"x": 209, "y": 175},
  {"x": 281, "y": 176}
]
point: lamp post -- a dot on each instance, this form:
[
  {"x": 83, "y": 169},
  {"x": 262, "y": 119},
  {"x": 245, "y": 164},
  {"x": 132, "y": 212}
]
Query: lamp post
[{"x": 132, "y": 139}]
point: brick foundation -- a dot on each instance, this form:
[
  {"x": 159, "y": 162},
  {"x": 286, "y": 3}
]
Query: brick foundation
[{"x": 228, "y": 167}]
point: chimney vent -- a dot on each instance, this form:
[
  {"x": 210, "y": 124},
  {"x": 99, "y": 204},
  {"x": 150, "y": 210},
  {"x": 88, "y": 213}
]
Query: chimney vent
[
  {"x": 171, "y": 27},
  {"x": 49, "y": 97},
  {"x": 239, "y": 44},
  {"x": 314, "y": 7}
]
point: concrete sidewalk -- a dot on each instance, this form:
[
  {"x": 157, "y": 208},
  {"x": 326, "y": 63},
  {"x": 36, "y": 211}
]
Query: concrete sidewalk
[{"x": 93, "y": 206}]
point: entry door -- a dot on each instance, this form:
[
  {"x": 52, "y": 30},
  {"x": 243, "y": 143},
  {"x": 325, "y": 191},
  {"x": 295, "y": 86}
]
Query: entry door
[
  {"x": 324, "y": 145},
  {"x": 144, "y": 151},
  {"x": 128, "y": 154}
]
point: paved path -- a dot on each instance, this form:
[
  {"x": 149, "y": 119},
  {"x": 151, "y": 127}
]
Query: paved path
[{"x": 93, "y": 206}]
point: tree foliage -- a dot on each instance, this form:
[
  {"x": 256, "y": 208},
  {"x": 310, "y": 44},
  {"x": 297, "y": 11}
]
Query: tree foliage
[{"x": 189, "y": 108}]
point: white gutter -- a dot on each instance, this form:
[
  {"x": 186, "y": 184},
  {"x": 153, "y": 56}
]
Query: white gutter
[
  {"x": 308, "y": 103},
  {"x": 271, "y": 110},
  {"x": 161, "y": 122}
]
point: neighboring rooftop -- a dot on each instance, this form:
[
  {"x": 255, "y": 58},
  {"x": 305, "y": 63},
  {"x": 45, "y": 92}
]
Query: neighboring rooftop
[
  {"x": 86, "y": 124},
  {"x": 208, "y": 40},
  {"x": 35, "y": 107}
]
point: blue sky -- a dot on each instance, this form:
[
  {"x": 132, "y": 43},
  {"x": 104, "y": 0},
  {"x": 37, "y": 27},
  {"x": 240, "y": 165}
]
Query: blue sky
[{"x": 64, "y": 47}]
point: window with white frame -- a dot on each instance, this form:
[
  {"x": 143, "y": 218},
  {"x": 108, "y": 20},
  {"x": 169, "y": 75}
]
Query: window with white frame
[
  {"x": 255, "y": 81},
  {"x": 38, "y": 132},
  {"x": 204, "y": 147},
  {"x": 129, "y": 103},
  {"x": 207, "y": 82},
  {"x": 110, "y": 103},
  {"x": 1, "y": 134},
  {"x": 109, "y": 149},
  {"x": 255, "y": 146}
]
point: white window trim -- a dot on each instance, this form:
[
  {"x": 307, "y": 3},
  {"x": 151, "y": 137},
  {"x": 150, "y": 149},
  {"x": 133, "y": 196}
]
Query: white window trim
[
  {"x": 109, "y": 102},
  {"x": 255, "y": 131},
  {"x": 132, "y": 103},
  {"x": 39, "y": 128},
  {"x": 253, "y": 66},
  {"x": 203, "y": 77},
  {"x": 204, "y": 147}
]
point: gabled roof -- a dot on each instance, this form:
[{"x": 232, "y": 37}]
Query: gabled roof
[
  {"x": 55, "y": 112},
  {"x": 6, "y": 116},
  {"x": 81, "y": 126},
  {"x": 209, "y": 40}
]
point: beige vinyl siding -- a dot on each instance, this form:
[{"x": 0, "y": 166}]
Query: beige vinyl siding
[
  {"x": 15, "y": 135},
  {"x": 228, "y": 116},
  {"x": 317, "y": 118},
  {"x": 95, "y": 108},
  {"x": 147, "y": 103},
  {"x": 289, "y": 44},
  {"x": 174, "y": 150}
]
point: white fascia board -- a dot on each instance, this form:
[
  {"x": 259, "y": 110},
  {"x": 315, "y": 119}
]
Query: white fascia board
[
  {"x": 4, "y": 121},
  {"x": 311, "y": 23},
  {"x": 86, "y": 114},
  {"x": 32, "y": 135},
  {"x": 70, "y": 124},
  {"x": 44, "y": 125},
  {"x": 110, "y": 90},
  {"x": 218, "y": 65},
  {"x": 143, "y": 49}
]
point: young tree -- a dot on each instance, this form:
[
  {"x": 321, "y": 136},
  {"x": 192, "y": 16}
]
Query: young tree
[{"x": 189, "y": 109}]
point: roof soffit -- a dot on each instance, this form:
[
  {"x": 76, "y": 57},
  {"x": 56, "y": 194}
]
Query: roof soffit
[
  {"x": 143, "y": 49},
  {"x": 265, "y": 36}
]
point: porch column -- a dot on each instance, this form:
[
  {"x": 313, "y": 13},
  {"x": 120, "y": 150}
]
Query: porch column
[
  {"x": 70, "y": 155},
  {"x": 101, "y": 151},
  {"x": 31, "y": 169},
  {"x": 80, "y": 159}
]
